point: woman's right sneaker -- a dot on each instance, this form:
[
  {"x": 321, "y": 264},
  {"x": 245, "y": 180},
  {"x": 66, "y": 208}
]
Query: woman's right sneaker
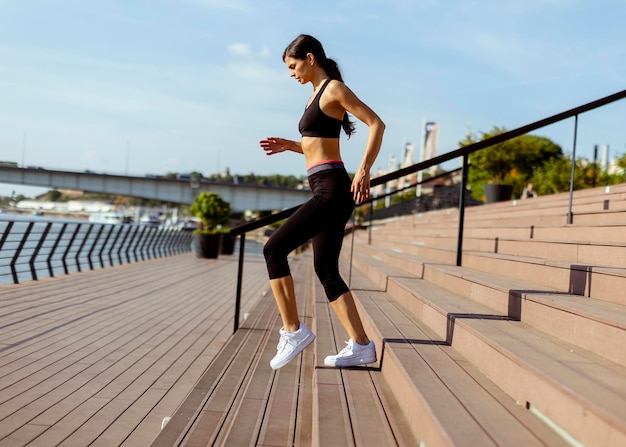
[
  {"x": 290, "y": 345},
  {"x": 353, "y": 354}
]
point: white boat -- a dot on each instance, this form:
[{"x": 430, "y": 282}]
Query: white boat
[{"x": 108, "y": 218}]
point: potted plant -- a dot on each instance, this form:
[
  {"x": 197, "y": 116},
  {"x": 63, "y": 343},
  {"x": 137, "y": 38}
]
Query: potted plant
[
  {"x": 505, "y": 168},
  {"x": 228, "y": 242},
  {"x": 214, "y": 213}
]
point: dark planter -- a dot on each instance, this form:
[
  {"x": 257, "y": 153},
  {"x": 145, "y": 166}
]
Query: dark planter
[
  {"x": 207, "y": 245},
  {"x": 228, "y": 244},
  {"x": 497, "y": 193}
]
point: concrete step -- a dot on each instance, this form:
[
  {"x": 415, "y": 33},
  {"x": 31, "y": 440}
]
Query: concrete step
[
  {"x": 605, "y": 254},
  {"x": 578, "y": 276},
  {"x": 577, "y": 390},
  {"x": 588, "y": 206},
  {"x": 447, "y": 400},
  {"x": 598, "y": 282},
  {"x": 582, "y": 321},
  {"x": 534, "y": 368},
  {"x": 565, "y": 233}
]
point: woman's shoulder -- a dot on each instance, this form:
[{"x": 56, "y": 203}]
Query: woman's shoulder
[{"x": 337, "y": 88}]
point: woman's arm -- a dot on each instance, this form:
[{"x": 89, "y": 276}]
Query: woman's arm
[
  {"x": 276, "y": 145},
  {"x": 349, "y": 101}
]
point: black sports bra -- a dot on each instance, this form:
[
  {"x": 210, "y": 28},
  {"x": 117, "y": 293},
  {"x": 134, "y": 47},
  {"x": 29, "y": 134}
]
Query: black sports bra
[{"x": 315, "y": 123}]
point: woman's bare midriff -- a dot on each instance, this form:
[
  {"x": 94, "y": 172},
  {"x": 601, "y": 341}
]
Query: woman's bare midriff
[{"x": 317, "y": 150}]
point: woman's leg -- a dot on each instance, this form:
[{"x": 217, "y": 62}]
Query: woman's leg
[
  {"x": 346, "y": 311},
  {"x": 297, "y": 230},
  {"x": 285, "y": 296},
  {"x": 327, "y": 248}
]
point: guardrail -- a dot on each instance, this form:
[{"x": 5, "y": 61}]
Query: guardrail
[
  {"x": 31, "y": 249},
  {"x": 462, "y": 153}
]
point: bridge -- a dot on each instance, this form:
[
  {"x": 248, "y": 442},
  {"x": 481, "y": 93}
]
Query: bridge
[{"x": 183, "y": 191}]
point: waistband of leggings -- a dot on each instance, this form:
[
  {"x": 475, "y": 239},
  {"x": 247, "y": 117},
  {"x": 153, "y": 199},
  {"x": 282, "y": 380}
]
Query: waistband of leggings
[{"x": 324, "y": 166}]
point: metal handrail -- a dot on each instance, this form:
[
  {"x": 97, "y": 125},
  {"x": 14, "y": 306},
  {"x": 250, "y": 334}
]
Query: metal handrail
[
  {"x": 33, "y": 249},
  {"x": 463, "y": 152}
]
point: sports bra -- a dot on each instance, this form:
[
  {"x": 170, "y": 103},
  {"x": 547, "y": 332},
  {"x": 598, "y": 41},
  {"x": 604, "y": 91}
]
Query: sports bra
[{"x": 315, "y": 123}]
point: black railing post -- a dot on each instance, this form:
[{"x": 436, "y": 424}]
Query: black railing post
[
  {"x": 143, "y": 251},
  {"x": 160, "y": 240},
  {"x": 104, "y": 245},
  {"x": 130, "y": 245},
  {"x": 123, "y": 243},
  {"x": 82, "y": 245},
  {"x": 42, "y": 239},
  {"x": 93, "y": 247},
  {"x": 6, "y": 233},
  {"x": 170, "y": 247},
  {"x": 369, "y": 228},
  {"x": 570, "y": 217},
  {"x": 352, "y": 247},
  {"x": 138, "y": 251},
  {"x": 54, "y": 247},
  {"x": 459, "y": 242},
  {"x": 242, "y": 244},
  {"x": 70, "y": 243},
  {"x": 18, "y": 251}
]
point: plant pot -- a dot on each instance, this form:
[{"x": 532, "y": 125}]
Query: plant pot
[
  {"x": 497, "y": 193},
  {"x": 207, "y": 245},
  {"x": 228, "y": 244}
]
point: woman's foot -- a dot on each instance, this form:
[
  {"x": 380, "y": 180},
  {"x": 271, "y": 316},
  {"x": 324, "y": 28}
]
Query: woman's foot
[
  {"x": 290, "y": 345},
  {"x": 353, "y": 354}
]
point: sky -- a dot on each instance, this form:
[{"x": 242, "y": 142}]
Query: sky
[{"x": 155, "y": 86}]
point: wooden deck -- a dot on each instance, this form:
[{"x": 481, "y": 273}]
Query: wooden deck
[
  {"x": 507, "y": 349},
  {"x": 100, "y": 358}
]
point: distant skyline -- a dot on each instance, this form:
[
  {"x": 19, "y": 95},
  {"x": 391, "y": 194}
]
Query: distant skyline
[{"x": 157, "y": 86}]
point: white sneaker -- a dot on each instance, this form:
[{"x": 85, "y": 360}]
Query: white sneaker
[
  {"x": 353, "y": 354},
  {"x": 291, "y": 344}
]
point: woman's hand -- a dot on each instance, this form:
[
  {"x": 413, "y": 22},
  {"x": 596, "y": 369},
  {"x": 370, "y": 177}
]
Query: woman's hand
[
  {"x": 361, "y": 186},
  {"x": 274, "y": 145}
]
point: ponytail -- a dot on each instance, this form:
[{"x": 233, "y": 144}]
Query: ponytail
[{"x": 332, "y": 70}]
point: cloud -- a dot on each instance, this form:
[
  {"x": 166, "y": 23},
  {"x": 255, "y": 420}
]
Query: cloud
[
  {"x": 239, "y": 49},
  {"x": 245, "y": 50}
]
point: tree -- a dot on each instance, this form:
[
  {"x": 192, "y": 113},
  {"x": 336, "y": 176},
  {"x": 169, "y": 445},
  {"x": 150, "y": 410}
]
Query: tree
[
  {"x": 54, "y": 195},
  {"x": 554, "y": 176},
  {"x": 621, "y": 161},
  {"x": 512, "y": 162}
]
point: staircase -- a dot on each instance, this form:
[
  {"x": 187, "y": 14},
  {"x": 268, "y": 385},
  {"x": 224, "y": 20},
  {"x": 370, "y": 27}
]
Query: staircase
[{"x": 525, "y": 343}]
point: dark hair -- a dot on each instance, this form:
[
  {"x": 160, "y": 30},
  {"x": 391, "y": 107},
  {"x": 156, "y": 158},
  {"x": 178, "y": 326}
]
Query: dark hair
[{"x": 304, "y": 44}]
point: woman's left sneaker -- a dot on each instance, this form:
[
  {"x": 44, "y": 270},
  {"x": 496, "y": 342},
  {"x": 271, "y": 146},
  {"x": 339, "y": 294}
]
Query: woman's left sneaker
[{"x": 353, "y": 354}]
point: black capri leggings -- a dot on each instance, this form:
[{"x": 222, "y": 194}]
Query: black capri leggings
[{"x": 323, "y": 219}]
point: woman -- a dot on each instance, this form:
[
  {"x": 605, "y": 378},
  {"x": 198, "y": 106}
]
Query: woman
[{"x": 324, "y": 216}]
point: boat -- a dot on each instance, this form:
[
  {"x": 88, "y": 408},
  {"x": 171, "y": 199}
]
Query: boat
[
  {"x": 109, "y": 218},
  {"x": 150, "y": 219}
]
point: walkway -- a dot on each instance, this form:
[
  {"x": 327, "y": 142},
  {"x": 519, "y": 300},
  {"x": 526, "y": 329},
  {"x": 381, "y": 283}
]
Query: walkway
[{"x": 99, "y": 358}]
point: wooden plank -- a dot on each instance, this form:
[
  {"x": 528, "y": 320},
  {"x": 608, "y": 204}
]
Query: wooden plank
[
  {"x": 281, "y": 414},
  {"x": 98, "y": 355},
  {"x": 193, "y": 407}
]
